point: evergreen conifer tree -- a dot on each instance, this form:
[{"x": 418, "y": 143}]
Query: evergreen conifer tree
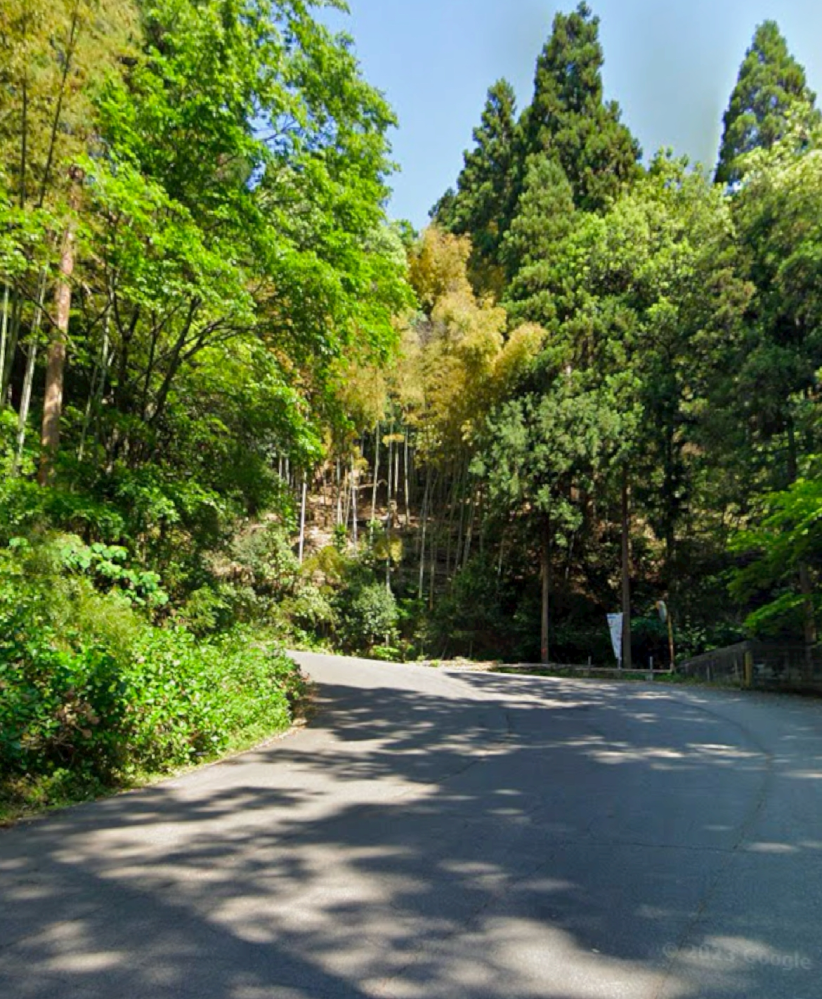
[
  {"x": 771, "y": 83},
  {"x": 544, "y": 217},
  {"x": 569, "y": 118},
  {"x": 483, "y": 202}
]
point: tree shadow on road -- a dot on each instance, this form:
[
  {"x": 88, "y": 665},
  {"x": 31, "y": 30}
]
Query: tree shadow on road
[{"x": 500, "y": 837}]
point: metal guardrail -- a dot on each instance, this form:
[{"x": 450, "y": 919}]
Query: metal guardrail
[{"x": 583, "y": 671}]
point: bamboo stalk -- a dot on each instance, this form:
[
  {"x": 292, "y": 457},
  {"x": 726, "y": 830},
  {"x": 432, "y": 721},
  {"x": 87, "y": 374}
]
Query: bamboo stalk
[
  {"x": 376, "y": 477},
  {"x": 96, "y": 389},
  {"x": 354, "y": 502},
  {"x": 407, "y": 489},
  {"x": 28, "y": 379},
  {"x": 302, "y": 517},
  {"x": 4, "y": 329}
]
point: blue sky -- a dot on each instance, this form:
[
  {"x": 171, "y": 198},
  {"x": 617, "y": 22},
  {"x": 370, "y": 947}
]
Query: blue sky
[{"x": 671, "y": 64}]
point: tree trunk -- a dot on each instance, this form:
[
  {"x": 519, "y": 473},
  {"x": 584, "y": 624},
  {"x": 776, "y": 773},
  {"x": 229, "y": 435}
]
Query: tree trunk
[
  {"x": 4, "y": 330},
  {"x": 28, "y": 380},
  {"x": 406, "y": 485},
  {"x": 302, "y": 517},
  {"x": 376, "y": 478},
  {"x": 390, "y": 467},
  {"x": 546, "y": 589},
  {"x": 25, "y": 402},
  {"x": 354, "y": 525},
  {"x": 11, "y": 349},
  {"x": 627, "y": 661},
  {"x": 56, "y": 364},
  {"x": 423, "y": 528},
  {"x": 338, "y": 485},
  {"x": 469, "y": 534},
  {"x": 432, "y": 572}
]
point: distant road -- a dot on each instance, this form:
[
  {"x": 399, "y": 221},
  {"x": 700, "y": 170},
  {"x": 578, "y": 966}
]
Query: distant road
[{"x": 437, "y": 835}]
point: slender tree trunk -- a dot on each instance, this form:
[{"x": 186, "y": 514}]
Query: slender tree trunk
[
  {"x": 462, "y": 518},
  {"x": 338, "y": 486},
  {"x": 482, "y": 520},
  {"x": 546, "y": 589},
  {"x": 97, "y": 389},
  {"x": 11, "y": 349},
  {"x": 25, "y": 402},
  {"x": 56, "y": 364},
  {"x": 28, "y": 380},
  {"x": 346, "y": 495},
  {"x": 627, "y": 661},
  {"x": 302, "y": 517},
  {"x": 376, "y": 477},
  {"x": 406, "y": 487},
  {"x": 354, "y": 525},
  {"x": 432, "y": 575},
  {"x": 434, "y": 532},
  {"x": 501, "y": 561},
  {"x": 24, "y": 139},
  {"x": 456, "y": 503},
  {"x": 469, "y": 534},
  {"x": 4, "y": 330},
  {"x": 390, "y": 467},
  {"x": 423, "y": 528}
]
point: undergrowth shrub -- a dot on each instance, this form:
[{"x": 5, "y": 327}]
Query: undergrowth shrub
[{"x": 92, "y": 694}]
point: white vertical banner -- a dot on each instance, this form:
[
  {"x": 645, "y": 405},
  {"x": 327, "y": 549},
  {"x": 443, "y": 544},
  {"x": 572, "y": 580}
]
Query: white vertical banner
[{"x": 615, "y": 627}]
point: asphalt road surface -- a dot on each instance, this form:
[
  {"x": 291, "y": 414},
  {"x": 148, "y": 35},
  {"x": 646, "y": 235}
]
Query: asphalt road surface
[{"x": 446, "y": 835}]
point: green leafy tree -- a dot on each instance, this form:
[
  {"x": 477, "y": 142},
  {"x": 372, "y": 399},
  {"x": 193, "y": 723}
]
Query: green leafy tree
[
  {"x": 771, "y": 85},
  {"x": 541, "y": 457},
  {"x": 241, "y": 201},
  {"x": 781, "y": 559}
]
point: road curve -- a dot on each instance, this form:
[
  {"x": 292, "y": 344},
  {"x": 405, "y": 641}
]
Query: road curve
[{"x": 435, "y": 835}]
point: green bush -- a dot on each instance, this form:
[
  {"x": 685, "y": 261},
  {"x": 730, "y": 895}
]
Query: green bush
[
  {"x": 91, "y": 693},
  {"x": 368, "y": 615}
]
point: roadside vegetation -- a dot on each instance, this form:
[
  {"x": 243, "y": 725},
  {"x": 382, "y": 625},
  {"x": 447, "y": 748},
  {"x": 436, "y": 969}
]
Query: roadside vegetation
[{"x": 241, "y": 409}]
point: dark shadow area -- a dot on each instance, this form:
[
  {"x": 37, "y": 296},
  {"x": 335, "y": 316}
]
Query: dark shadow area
[{"x": 478, "y": 836}]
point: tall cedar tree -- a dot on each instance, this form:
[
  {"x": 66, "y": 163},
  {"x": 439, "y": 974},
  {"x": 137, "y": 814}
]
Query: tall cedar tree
[
  {"x": 544, "y": 217},
  {"x": 483, "y": 202},
  {"x": 569, "y": 119},
  {"x": 770, "y": 85}
]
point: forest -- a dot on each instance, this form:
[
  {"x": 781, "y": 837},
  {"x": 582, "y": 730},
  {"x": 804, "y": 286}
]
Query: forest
[{"x": 242, "y": 409}]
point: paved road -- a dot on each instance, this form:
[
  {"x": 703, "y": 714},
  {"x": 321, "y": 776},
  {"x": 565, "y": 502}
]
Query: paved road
[{"x": 441, "y": 835}]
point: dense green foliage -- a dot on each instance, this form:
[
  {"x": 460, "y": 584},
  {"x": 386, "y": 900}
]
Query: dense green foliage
[{"x": 93, "y": 695}]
